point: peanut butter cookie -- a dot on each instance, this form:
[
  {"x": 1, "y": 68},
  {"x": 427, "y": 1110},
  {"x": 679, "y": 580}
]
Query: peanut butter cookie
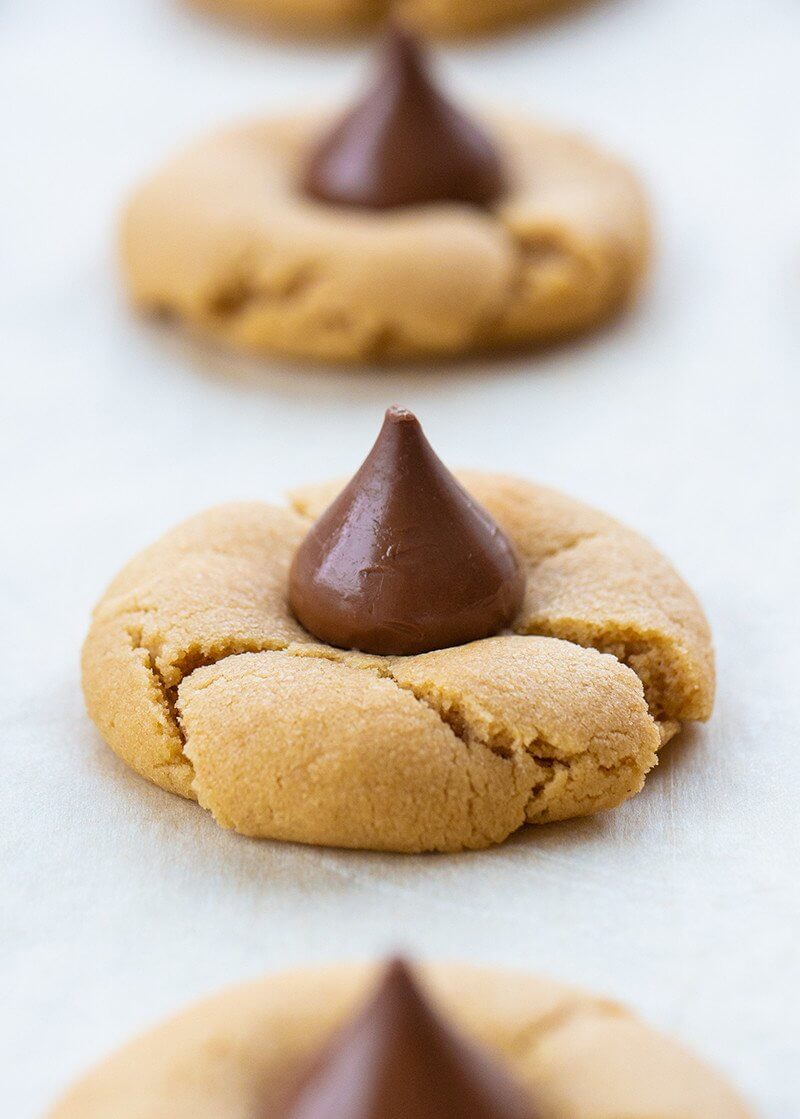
[
  {"x": 499, "y": 1045},
  {"x": 199, "y": 675},
  {"x": 403, "y": 230}
]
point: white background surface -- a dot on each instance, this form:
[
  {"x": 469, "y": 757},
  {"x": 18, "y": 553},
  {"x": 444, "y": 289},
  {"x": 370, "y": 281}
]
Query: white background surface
[{"x": 120, "y": 902}]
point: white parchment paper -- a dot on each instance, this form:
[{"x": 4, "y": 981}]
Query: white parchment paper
[{"x": 120, "y": 902}]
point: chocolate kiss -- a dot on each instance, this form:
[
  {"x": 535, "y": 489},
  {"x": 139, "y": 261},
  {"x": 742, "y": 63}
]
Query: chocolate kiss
[
  {"x": 398, "y": 1059},
  {"x": 404, "y": 560},
  {"x": 403, "y": 143}
]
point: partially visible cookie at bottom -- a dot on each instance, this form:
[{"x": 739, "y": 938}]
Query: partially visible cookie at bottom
[{"x": 238, "y": 1053}]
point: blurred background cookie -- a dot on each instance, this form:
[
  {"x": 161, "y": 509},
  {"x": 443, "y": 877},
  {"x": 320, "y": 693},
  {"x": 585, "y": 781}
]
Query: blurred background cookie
[
  {"x": 444, "y": 18},
  {"x": 404, "y": 229}
]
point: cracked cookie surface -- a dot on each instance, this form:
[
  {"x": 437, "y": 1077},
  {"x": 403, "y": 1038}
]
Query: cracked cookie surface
[
  {"x": 222, "y": 240},
  {"x": 236, "y": 1054},
  {"x": 431, "y": 17},
  {"x": 199, "y": 677}
]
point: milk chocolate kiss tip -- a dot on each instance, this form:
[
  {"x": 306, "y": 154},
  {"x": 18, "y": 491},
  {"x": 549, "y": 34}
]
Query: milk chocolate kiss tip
[
  {"x": 398, "y": 1058},
  {"x": 404, "y": 561},
  {"x": 403, "y": 143}
]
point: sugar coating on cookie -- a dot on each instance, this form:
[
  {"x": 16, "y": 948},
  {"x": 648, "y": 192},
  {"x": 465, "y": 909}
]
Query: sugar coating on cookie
[
  {"x": 199, "y": 676},
  {"x": 225, "y": 241},
  {"x": 239, "y": 1053}
]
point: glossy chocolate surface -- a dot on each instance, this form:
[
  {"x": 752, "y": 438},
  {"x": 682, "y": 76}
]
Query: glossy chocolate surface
[
  {"x": 403, "y": 143},
  {"x": 404, "y": 560},
  {"x": 399, "y": 1059}
]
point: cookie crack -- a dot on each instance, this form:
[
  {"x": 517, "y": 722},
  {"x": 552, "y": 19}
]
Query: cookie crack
[
  {"x": 452, "y": 716},
  {"x": 539, "y": 258},
  {"x": 452, "y": 710},
  {"x": 641, "y": 655},
  {"x": 191, "y": 659},
  {"x": 498, "y": 742},
  {"x": 140, "y": 646},
  {"x": 524, "y": 1045},
  {"x": 477, "y": 728},
  {"x": 469, "y": 722},
  {"x": 167, "y": 695},
  {"x": 250, "y": 289},
  {"x": 634, "y": 650},
  {"x": 648, "y": 654},
  {"x": 537, "y": 762},
  {"x": 563, "y": 549},
  {"x": 244, "y": 289}
]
